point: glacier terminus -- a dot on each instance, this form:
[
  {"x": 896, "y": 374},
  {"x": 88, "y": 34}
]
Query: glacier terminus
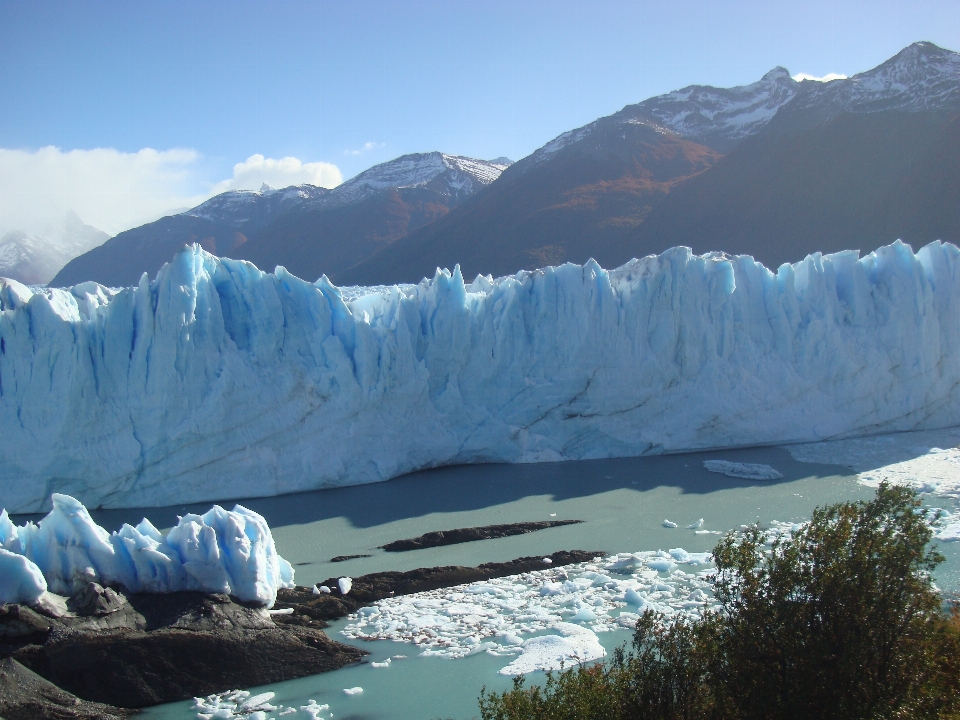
[{"x": 217, "y": 380}]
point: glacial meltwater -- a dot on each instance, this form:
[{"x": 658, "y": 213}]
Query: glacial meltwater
[{"x": 624, "y": 504}]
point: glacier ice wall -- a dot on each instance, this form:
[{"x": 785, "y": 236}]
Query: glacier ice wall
[
  {"x": 218, "y": 380},
  {"x": 220, "y": 551}
]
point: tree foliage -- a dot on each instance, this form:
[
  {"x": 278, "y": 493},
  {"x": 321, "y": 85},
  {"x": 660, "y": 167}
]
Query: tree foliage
[{"x": 838, "y": 620}]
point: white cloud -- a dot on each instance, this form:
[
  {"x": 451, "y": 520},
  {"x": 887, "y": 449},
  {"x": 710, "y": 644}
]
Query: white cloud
[
  {"x": 367, "y": 147},
  {"x": 257, "y": 170},
  {"x": 107, "y": 188},
  {"x": 799, "y": 77},
  {"x": 115, "y": 191}
]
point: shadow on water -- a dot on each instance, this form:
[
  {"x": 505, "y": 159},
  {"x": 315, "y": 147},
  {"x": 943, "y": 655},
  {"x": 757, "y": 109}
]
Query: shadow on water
[{"x": 474, "y": 487}]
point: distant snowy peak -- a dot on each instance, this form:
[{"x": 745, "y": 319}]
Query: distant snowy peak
[
  {"x": 920, "y": 77},
  {"x": 34, "y": 259},
  {"x": 246, "y": 206},
  {"x": 452, "y": 175}
]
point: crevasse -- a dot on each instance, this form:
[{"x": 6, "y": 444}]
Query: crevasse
[{"x": 218, "y": 380}]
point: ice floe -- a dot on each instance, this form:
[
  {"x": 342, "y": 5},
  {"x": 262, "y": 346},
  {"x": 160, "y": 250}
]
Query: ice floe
[
  {"x": 928, "y": 461},
  {"x": 227, "y": 551},
  {"x": 748, "y": 471},
  {"x": 241, "y": 705},
  {"x": 569, "y": 604},
  {"x": 573, "y": 645}
]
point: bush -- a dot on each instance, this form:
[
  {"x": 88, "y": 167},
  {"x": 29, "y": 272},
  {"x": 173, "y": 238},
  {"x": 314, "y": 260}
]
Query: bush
[{"x": 841, "y": 620}]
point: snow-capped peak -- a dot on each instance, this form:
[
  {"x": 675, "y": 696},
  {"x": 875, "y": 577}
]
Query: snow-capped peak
[
  {"x": 719, "y": 116},
  {"x": 922, "y": 76},
  {"x": 245, "y": 206},
  {"x": 454, "y": 175}
]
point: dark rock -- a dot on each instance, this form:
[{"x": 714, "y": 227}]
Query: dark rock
[
  {"x": 95, "y": 600},
  {"x": 344, "y": 558},
  {"x": 20, "y": 622},
  {"x": 462, "y": 535},
  {"x": 377, "y": 586},
  {"x": 162, "y": 648},
  {"x": 24, "y": 695}
]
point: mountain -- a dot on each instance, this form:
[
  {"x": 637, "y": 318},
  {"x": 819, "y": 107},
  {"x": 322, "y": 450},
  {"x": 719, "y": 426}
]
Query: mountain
[
  {"x": 35, "y": 259},
  {"x": 777, "y": 169},
  {"x": 307, "y": 229}
]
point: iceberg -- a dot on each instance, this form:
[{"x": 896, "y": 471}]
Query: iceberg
[
  {"x": 220, "y": 551},
  {"x": 218, "y": 380}
]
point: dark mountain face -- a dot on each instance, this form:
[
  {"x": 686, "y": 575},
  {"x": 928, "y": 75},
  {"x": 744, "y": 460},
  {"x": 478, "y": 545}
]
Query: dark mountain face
[
  {"x": 588, "y": 197},
  {"x": 308, "y": 230},
  {"x": 858, "y": 181},
  {"x": 222, "y": 225},
  {"x": 810, "y": 167}
]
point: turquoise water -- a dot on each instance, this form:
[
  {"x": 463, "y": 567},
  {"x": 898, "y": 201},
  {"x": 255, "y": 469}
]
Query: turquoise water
[{"x": 622, "y": 501}]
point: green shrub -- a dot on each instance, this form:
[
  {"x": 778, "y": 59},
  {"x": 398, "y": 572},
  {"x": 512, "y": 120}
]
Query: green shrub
[{"x": 840, "y": 620}]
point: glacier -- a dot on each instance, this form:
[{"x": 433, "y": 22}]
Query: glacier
[
  {"x": 217, "y": 380},
  {"x": 221, "y": 551}
]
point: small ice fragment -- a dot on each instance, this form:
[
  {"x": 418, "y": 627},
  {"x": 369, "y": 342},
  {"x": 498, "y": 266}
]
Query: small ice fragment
[
  {"x": 584, "y": 614},
  {"x": 384, "y": 664},
  {"x": 553, "y": 514},
  {"x": 748, "y": 471},
  {"x": 324, "y": 589},
  {"x": 633, "y": 597},
  {"x": 547, "y": 561},
  {"x": 352, "y": 691},
  {"x": 256, "y": 701},
  {"x": 662, "y": 565},
  {"x": 696, "y": 526},
  {"x": 282, "y": 611},
  {"x": 345, "y": 584},
  {"x": 669, "y": 524},
  {"x": 318, "y": 591}
]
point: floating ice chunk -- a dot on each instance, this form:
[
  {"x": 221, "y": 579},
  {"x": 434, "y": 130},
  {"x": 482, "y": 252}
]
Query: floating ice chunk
[
  {"x": 313, "y": 709},
  {"x": 574, "y": 645},
  {"x": 252, "y": 703},
  {"x": 584, "y": 614},
  {"x": 748, "y": 471},
  {"x": 633, "y": 597},
  {"x": 547, "y": 561},
  {"x": 384, "y": 664},
  {"x": 662, "y": 565},
  {"x": 283, "y": 611},
  {"x": 949, "y": 533},
  {"x": 353, "y": 691},
  {"x": 696, "y": 526},
  {"x": 345, "y": 584},
  {"x": 221, "y": 551},
  {"x": 20, "y": 580},
  {"x": 324, "y": 589},
  {"x": 669, "y": 524},
  {"x": 317, "y": 591}
]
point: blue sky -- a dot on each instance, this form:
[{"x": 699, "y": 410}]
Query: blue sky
[{"x": 340, "y": 86}]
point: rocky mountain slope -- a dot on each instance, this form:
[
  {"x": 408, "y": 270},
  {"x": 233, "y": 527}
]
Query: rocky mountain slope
[
  {"x": 807, "y": 166},
  {"x": 307, "y": 229}
]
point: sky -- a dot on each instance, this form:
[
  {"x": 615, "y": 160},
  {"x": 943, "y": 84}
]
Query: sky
[{"x": 125, "y": 111}]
